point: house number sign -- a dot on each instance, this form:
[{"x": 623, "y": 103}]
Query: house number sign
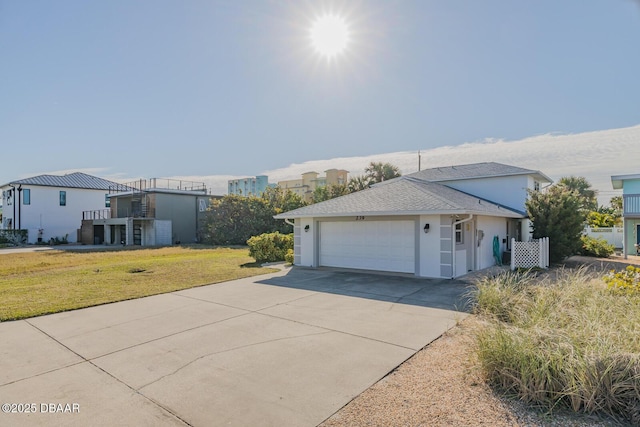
[{"x": 359, "y": 218}]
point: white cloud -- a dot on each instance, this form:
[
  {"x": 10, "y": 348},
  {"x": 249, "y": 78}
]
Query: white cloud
[{"x": 594, "y": 155}]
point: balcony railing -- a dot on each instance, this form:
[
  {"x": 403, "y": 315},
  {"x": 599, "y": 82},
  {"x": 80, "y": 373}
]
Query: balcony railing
[
  {"x": 631, "y": 204},
  {"x": 160, "y": 184},
  {"x": 97, "y": 214}
]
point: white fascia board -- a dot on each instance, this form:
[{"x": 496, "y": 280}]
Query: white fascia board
[{"x": 505, "y": 214}]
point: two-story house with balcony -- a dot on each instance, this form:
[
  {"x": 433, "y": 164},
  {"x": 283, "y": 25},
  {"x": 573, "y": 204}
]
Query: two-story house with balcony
[
  {"x": 630, "y": 186},
  {"x": 153, "y": 212},
  {"x": 440, "y": 222}
]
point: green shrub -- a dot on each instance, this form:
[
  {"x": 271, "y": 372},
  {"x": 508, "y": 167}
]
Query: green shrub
[
  {"x": 13, "y": 237},
  {"x": 596, "y": 247},
  {"x": 289, "y": 256},
  {"x": 625, "y": 282},
  {"x": 270, "y": 247},
  {"x": 562, "y": 341}
]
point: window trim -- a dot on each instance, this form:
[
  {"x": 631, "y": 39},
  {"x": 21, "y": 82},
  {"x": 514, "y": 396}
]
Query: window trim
[{"x": 459, "y": 231}]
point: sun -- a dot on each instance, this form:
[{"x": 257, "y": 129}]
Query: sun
[{"x": 329, "y": 35}]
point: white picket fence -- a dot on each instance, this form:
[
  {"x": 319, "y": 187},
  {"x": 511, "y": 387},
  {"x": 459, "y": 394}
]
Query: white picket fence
[
  {"x": 530, "y": 254},
  {"x": 613, "y": 235}
]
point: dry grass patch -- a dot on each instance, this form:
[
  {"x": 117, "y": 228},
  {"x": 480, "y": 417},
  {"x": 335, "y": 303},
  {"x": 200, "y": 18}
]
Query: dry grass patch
[
  {"x": 562, "y": 342},
  {"x": 32, "y": 284}
]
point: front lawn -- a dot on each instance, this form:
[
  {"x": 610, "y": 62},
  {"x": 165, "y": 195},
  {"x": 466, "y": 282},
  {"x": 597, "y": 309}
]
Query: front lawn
[{"x": 36, "y": 283}]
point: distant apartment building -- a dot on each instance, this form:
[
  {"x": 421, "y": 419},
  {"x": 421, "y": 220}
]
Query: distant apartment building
[
  {"x": 253, "y": 186},
  {"x": 306, "y": 185}
]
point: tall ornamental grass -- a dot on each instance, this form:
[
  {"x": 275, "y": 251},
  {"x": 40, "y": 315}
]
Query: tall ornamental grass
[{"x": 564, "y": 341}]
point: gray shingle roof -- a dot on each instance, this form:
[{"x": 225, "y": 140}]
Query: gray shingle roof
[
  {"x": 403, "y": 196},
  {"x": 72, "y": 180},
  {"x": 475, "y": 170}
]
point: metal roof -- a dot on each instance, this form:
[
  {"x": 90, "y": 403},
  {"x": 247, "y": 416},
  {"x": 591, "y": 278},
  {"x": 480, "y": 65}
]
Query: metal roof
[
  {"x": 475, "y": 171},
  {"x": 403, "y": 196},
  {"x": 72, "y": 180}
]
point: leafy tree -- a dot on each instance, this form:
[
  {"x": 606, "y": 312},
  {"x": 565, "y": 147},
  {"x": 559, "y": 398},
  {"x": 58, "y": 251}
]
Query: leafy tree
[
  {"x": 616, "y": 207},
  {"x": 587, "y": 195},
  {"x": 616, "y": 204},
  {"x": 326, "y": 192},
  {"x": 233, "y": 219},
  {"x": 606, "y": 216},
  {"x": 555, "y": 213},
  {"x": 378, "y": 172},
  {"x": 599, "y": 218},
  {"x": 358, "y": 183},
  {"x": 282, "y": 200}
]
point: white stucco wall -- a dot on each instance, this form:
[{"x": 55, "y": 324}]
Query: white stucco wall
[
  {"x": 429, "y": 246},
  {"x": 307, "y": 242},
  {"x": 491, "y": 226},
  {"x": 45, "y": 211},
  {"x": 510, "y": 191}
]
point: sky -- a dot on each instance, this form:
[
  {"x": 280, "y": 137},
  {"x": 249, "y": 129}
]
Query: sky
[{"x": 231, "y": 88}]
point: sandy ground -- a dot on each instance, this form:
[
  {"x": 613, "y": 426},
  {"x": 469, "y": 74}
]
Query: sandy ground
[{"x": 441, "y": 385}]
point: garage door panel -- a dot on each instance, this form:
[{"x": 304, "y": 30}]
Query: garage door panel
[{"x": 370, "y": 245}]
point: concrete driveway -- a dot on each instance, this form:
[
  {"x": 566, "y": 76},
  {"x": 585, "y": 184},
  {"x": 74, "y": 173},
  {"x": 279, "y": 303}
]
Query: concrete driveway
[{"x": 285, "y": 349}]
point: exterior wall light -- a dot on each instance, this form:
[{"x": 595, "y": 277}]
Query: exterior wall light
[
  {"x": 306, "y": 228},
  {"x": 426, "y": 228}
]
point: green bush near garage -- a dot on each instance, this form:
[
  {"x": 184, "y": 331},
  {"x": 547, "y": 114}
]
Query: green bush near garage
[{"x": 270, "y": 247}]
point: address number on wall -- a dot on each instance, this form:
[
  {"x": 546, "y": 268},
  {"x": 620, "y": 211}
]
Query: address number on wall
[{"x": 359, "y": 218}]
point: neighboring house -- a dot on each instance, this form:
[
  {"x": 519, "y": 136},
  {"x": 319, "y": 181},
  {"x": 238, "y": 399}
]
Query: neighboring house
[
  {"x": 152, "y": 212},
  {"x": 253, "y": 186},
  {"x": 306, "y": 185},
  {"x": 630, "y": 185},
  {"x": 438, "y": 222},
  {"x": 50, "y": 206}
]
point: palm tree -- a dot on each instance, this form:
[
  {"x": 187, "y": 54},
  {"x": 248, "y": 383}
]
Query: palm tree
[
  {"x": 358, "y": 183},
  {"x": 378, "y": 172},
  {"x": 582, "y": 187}
]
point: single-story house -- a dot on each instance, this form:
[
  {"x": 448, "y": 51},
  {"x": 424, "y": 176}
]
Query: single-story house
[
  {"x": 630, "y": 185},
  {"x": 440, "y": 222}
]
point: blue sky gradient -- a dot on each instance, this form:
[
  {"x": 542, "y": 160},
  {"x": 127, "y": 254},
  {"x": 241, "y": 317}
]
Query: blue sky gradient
[{"x": 158, "y": 88}]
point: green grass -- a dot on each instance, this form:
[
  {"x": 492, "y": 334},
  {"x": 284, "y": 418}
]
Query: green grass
[
  {"x": 37, "y": 283},
  {"x": 564, "y": 341}
]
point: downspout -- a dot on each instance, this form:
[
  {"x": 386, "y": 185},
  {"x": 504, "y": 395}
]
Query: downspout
[
  {"x": 453, "y": 243},
  {"x": 286, "y": 220},
  {"x": 13, "y": 195},
  {"x": 20, "y": 207}
]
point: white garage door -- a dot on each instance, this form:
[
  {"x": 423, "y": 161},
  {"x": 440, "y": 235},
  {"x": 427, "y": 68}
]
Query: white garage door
[{"x": 370, "y": 245}]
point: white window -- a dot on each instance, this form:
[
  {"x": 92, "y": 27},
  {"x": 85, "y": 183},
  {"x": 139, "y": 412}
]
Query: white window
[
  {"x": 459, "y": 234},
  {"x": 536, "y": 185}
]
